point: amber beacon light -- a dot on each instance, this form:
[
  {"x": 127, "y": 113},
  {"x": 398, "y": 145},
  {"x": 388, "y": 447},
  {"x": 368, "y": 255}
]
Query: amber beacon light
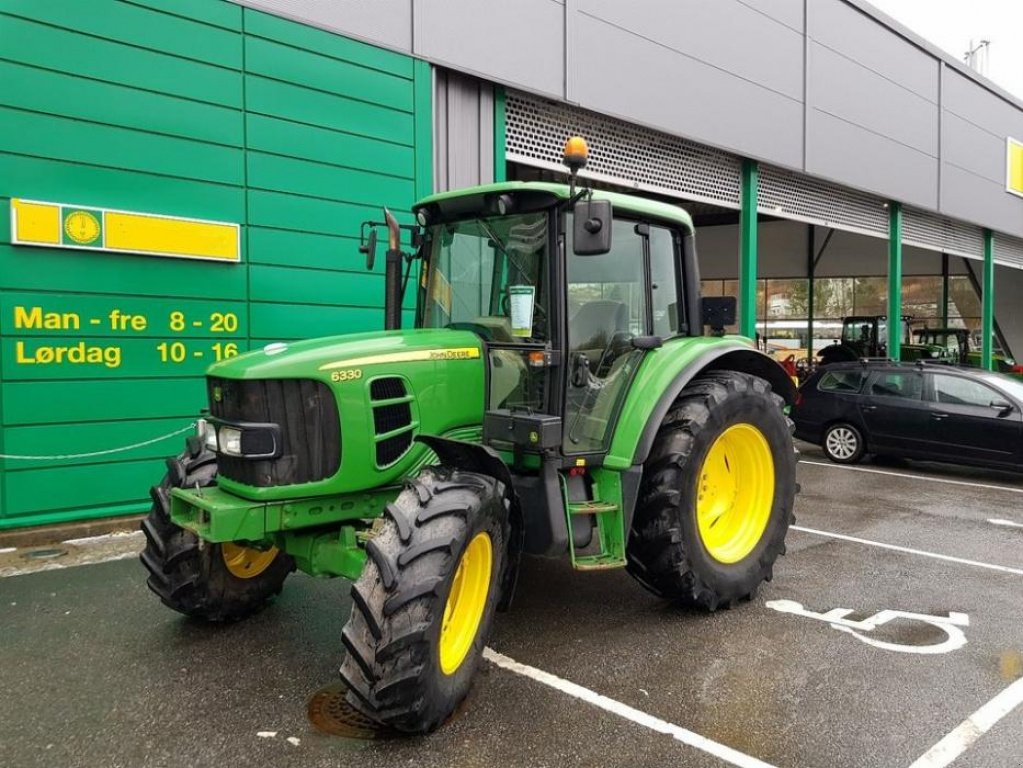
[{"x": 576, "y": 153}]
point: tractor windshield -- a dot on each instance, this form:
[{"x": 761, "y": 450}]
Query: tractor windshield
[{"x": 486, "y": 275}]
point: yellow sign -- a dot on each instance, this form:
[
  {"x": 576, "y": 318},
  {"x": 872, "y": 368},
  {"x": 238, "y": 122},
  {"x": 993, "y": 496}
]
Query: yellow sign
[
  {"x": 60, "y": 225},
  {"x": 1014, "y": 166}
]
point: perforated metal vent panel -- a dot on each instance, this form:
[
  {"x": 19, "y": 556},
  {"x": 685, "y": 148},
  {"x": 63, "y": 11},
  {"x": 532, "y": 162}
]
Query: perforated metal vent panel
[
  {"x": 620, "y": 153},
  {"x": 1009, "y": 251},
  {"x": 790, "y": 195},
  {"x": 939, "y": 233}
]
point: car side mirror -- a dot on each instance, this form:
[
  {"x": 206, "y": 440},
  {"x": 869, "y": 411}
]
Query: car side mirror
[
  {"x": 591, "y": 228},
  {"x": 1002, "y": 407}
]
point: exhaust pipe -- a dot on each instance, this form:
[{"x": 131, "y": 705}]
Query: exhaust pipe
[{"x": 392, "y": 274}]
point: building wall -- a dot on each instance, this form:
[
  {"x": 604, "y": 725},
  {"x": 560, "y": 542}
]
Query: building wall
[
  {"x": 192, "y": 108},
  {"x": 832, "y": 88}
]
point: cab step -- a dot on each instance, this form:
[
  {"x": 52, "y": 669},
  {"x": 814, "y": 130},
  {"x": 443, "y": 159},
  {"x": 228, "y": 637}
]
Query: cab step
[{"x": 609, "y": 523}]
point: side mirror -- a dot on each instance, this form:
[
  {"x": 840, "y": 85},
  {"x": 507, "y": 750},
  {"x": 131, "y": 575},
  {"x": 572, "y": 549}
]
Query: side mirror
[
  {"x": 370, "y": 249},
  {"x": 718, "y": 311},
  {"x": 591, "y": 230},
  {"x": 1002, "y": 407}
]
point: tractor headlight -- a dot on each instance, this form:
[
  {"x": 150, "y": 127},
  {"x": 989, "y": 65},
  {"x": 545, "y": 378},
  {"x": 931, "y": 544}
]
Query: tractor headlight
[
  {"x": 243, "y": 439},
  {"x": 230, "y": 441},
  {"x": 935, "y": 353}
]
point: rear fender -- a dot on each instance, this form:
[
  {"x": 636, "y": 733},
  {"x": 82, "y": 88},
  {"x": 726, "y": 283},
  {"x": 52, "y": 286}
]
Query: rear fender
[{"x": 666, "y": 372}]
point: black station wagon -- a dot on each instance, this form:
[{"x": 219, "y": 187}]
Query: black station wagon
[{"x": 916, "y": 411}]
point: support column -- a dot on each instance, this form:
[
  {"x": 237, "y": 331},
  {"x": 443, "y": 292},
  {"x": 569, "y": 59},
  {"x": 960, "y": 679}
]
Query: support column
[
  {"x": 748, "y": 251},
  {"x": 987, "y": 300},
  {"x": 500, "y": 165},
  {"x": 811, "y": 276},
  {"x": 944, "y": 290},
  {"x": 894, "y": 280}
]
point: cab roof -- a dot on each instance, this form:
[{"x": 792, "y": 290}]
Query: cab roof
[{"x": 629, "y": 204}]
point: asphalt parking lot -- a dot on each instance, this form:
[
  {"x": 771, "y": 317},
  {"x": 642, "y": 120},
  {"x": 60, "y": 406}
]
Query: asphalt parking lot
[{"x": 96, "y": 673}]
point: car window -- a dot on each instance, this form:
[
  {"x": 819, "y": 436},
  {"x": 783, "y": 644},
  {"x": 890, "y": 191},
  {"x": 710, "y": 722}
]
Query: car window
[
  {"x": 841, "y": 381},
  {"x": 902, "y": 384},
  {"x": 955, "y": 390}
]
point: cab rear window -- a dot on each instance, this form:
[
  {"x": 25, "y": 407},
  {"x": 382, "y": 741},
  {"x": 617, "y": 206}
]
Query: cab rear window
[{"x": 841, "y": 381}]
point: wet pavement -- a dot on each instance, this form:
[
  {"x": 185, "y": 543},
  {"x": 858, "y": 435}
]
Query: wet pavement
[{"x": 95, "y": 672}]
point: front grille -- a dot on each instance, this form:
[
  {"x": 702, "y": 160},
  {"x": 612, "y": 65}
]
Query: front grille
[
  {"x": 387, "y": 418},
  {"x": 391, "y": 417},
  {"x": 306, "y": 413},
  {"x": 393, "y": 448},
  {"x": 390, "y": 388}
]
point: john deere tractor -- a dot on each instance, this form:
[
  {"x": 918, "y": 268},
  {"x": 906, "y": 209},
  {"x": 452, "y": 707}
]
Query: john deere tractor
[{"x": 556, "y": 396}]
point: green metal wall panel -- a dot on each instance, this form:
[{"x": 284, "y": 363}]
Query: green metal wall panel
[{"x": 191, "y": 108}]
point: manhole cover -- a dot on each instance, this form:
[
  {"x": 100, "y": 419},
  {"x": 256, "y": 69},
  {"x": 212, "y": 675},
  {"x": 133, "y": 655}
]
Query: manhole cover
[
  {"x": 44, "y": 554},
  {"x": 330, "y": 712}
]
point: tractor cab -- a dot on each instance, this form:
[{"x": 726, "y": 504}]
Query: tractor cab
[
  {"x": 952, "y": 344},
  {"x": 863, "y": 336}
]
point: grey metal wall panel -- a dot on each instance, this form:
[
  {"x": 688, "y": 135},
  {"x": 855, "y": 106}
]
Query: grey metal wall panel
[
  {"x": 872, "y": 106},
  {"x": 520, "y": 43},
  {"x": 636, "y": 68},
  {"x": 788, "y": 12},
  {"x": 463, "y": 131},
  {"x": 974, "y": 126},
  {"x": 842, "y": 28},
  {"x": 387, "y": 22},
  {"x": 840, "y": 150}
]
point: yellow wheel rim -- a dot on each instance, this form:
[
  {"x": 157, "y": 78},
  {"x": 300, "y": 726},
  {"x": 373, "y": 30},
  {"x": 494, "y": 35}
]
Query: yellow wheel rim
[
  {"x": 245, "y": 563},
  {"x": 735, "y": 493},
  {"x": 466, "y": 603}
]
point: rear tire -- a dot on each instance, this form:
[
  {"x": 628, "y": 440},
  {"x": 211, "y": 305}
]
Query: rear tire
[
  {"x": 734, "y": 423},
  {"x": 843, "y": 443},
  {"x": 417, "y": 629},
  {"x": 199, "y": 579}
]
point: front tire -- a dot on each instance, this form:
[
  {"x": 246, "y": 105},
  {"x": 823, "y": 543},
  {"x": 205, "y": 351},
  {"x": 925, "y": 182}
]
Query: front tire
[
  {"x": 215, "y": 582},
  {"x": 843, "y": 444},
  {"x": 717, "y": 494},
  {"x": 423, "y": 607}
]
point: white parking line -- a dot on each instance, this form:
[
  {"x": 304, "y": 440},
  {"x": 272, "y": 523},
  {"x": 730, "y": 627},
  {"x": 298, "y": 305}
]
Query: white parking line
[
  {"x": 909, "y": 550},
  {"x": 972, "y": 728},
  {"x": 729, "y": 755},
  {"x": 1005, "y": 523},
  {"x": 927, "y": 478}
]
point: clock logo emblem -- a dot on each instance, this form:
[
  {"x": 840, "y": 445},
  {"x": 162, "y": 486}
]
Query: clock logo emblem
[{"x": 82, "y": 227}]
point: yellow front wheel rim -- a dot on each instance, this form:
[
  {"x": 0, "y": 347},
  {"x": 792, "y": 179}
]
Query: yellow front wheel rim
[
  {"x": 244, "y": 562},
  {"x": 735, "y": 493},
  {"x": 466, "y": 602}
]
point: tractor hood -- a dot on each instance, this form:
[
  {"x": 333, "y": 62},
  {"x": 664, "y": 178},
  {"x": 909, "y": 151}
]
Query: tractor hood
[
  {"x": 388, "y": 387},
  {"x": 369, "y": 352}
]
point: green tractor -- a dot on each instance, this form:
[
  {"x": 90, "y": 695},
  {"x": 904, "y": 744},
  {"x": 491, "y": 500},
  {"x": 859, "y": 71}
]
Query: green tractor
[
  {"x": 866, "y": 336},
  {"x": 959, "y": 349},
  {"x": 555, "y": 397}
]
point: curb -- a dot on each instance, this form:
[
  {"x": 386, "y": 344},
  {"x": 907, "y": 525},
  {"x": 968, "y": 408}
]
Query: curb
[{"x": 40, "y": 535}]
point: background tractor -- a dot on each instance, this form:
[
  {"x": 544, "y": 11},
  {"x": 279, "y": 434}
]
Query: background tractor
[
  {"x": 555, "y": 397},
  {"x": 866, "y": 336},
  {"x": 960, "y": 351}
]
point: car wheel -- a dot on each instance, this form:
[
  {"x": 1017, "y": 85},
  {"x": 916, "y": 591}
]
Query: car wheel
[{"x": 843, "y": 444}]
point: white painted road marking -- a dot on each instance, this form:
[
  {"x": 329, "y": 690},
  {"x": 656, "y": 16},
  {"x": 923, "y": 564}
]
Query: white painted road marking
[
  {"x": 927, "y": 478},
  {"x": 909, "y": 550},
  {"x": 972, "y": 728},
  {"x": 729, "y": 755},
  {"x": 1006, "y": 523},
  {"x": 836, "y": 618}
]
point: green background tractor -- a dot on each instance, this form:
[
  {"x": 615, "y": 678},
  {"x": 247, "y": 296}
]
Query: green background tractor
[
  {"x": 556, "y": 397},
  {"x": 960, "y": 351},
  {"x": 867, "y": 336}
]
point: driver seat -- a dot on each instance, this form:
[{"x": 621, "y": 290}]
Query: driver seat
[{"x": 593, "y": 325}]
